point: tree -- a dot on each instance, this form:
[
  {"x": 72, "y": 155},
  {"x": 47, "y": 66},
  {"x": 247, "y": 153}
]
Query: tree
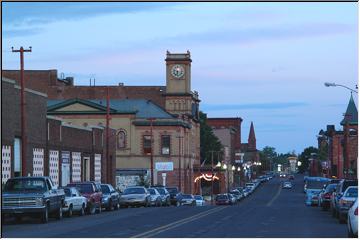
[
  {"x": 208, "y": 142},
  {"x": 304, "y": 158},
  {"x": 268, "y": 157}
]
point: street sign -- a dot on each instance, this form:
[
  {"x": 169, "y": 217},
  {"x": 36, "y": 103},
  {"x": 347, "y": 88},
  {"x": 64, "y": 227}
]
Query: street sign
[{"x": 164, "y": 166}]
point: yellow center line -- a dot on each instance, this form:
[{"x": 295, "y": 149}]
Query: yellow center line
[
  {"x": 275, "y": 197},
  {"x": 177, "y": 223}
]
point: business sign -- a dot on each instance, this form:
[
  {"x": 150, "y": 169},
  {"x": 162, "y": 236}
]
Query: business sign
[
  {"x": 65, "y": 157},
  {"x": 164, "y": 166}
]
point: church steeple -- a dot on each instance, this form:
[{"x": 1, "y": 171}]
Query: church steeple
[
  {"x": 351, "y": 114},
  {"x": 252, "y": 138}
]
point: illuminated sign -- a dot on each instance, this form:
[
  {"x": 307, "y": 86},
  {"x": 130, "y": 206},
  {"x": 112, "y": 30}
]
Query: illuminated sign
[
  {"x": 207, "y": 177},
  {"x": 164, "y": 166}
]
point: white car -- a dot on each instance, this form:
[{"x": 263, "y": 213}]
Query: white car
[
  {"x": 199, "y": 200},
  {"x": 352, "y": 222},
  {"x": 252, "y": 186},
  {"x": 74, "y": 202}
]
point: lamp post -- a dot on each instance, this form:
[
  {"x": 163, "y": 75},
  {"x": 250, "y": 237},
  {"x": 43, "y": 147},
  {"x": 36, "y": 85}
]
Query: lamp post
[
  {"x": 327, "y": 84},
  {"x": 179, "y": 137},
  {"x": 151, "y": 152}
]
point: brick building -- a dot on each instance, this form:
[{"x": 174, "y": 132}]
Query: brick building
[
  {"x": 172, "y": 121},
  {"x": 53, "y": 147},
  {"x": 342, "y": 146}
]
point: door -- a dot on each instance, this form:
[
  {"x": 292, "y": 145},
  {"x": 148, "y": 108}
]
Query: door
[
  {"x": 65, "y": 174},
  {"x": 86, "y": 170}
]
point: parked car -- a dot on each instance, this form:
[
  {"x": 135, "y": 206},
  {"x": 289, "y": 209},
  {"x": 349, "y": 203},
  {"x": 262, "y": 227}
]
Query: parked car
[
  {"x": 34, "y": 196},
  {"x": 187, "y": 199},
  {"x": 111, "y": 197},
  {"x": 155, "y": 197},
  {"x": 251, "y": 186},
  {"x": 313, "y": 187},
  {"x": 287, "y": 185},
  {"x": 165, "y": 195},
  {"x": 74, "y": 202},
  {"x": 222, "y": 199},
  {"x": 237, "y": 194},
  {"x": 241, "y": 191},
  {"x": 232, "y": 198},
  {"x": 135, "y": 196},
  {"x": 340, "y": 189},
  {"x": 199, "y": 200},
  {"x": 174, "y": 195},
  {"x": 346, "y": 201},
  {"x": 325, "y": 196},
  {"x": 92, "y": 192},
  {"x": 247, "y": 191},
  {"x": 352, "y": 223}
]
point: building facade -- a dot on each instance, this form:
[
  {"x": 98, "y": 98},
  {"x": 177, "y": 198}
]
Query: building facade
[
  {"x": 53, "y": 146},
  {"x": 157, "y": 127}
]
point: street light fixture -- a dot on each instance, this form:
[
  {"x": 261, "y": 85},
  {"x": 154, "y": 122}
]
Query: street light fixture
[
  {"x": 218, "y": 164},
  {"x": 327, "y": 84},
  {"x": 233, "y": 168}
]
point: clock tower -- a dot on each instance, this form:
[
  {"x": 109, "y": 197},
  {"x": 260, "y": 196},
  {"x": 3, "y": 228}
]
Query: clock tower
[
  {"x": 178, "y": 75},
  {"x": 180, "y": 99}
]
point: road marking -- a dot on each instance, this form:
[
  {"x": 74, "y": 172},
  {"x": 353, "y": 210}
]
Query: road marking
[
  {"x": 275, "y": 197},
  {"x": 177, "y": 223}
]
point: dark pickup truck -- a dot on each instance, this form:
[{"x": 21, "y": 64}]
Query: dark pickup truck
[{"x": 34, "y": 196}]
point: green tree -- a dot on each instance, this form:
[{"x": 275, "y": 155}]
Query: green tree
[
  {"x": 304, "y": 158},
  {"x": 268, "y": 157},
  {"x": 208, "y": 142}
]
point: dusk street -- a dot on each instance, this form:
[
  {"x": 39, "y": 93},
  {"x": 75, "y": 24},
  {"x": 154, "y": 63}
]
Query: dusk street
[{"x": 269, "y": 212}]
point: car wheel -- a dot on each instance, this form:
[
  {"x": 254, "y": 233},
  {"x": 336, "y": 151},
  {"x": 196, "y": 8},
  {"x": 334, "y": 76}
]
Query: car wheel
[
  {"x": 59, "y": 213},
  {"x": 117, "y": 206},
  {"x": 110, "y": 206},
  {"x": 177, "y": 204},
  {"x": 45, "y": 215},
  {"x": 99, "y": 208},
  {"x": 82, "y": 210},
  {"x": 92, "y": 208},
  {"x": 70, "y": 212}
]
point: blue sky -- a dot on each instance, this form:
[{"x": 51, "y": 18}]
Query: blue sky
[{"x": 263, "y": 62}]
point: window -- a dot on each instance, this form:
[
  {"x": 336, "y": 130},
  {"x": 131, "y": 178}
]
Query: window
[
  {"x": 121, "y": 139},
  {"x": 165, "y": 145},
  {"x": 147, "y": 144}
]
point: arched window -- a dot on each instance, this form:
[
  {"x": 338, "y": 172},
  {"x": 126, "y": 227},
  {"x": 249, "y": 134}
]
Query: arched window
[{"x": 121, "y": 139}]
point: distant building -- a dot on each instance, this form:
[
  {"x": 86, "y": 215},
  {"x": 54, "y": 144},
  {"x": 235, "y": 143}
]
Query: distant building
[
  {"x": 342, "y": 145},
  {"x": 251, "y": 153}
]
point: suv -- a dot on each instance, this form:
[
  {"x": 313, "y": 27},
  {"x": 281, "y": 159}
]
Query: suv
[
  {"x": 92, "y": 191},
  {"x": 165, "y": 195},
  {"x": 340, "y": 189},
  {"x": 174, "y": 195}
]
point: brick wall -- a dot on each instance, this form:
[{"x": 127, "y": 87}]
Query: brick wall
[{"x": 228, "y": 122}]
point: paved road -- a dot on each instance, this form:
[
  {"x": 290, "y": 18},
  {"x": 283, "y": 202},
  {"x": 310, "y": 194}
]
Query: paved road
[{"x": 269, "y": 212}]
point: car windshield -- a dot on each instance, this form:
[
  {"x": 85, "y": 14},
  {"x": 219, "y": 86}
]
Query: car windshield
[
  {"x": 235, "y": 192},
  {"x": 152, "y": 191},
  {"x": 187, "y": 196},
  {"x": 287, "y": 183},
  {"x": 347, "y": 184},
  {"x": 134, "y": 191},
  {"x": 352, "y": 192},
  {"x": 249, "y": 184},
  {"x": 198, "y": 197},
  {"x": 330, "y": 187},
  {"x": 315, "y": 184},
  {"x": 172, "y": 190},
  {"x": 83, "y": 188},
  {"x": 28, "y": 185},
  {"x": 67, "y": 192},
  {"x": 161, "y": 191},
  {"x": 221, "y": 197},
  {"x": 105, "y": 189}
]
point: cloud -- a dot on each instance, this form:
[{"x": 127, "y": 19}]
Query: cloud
[
  {"x": 21, "y": 32},
  {"x": 273, "y": 32},
  {"x": 279, "y": 105}
]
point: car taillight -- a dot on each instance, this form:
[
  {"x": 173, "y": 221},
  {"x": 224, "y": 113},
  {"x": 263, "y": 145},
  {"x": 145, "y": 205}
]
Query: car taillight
[
  {"x": 327, "y": 195},
  {"x": 356, "y": 212}
]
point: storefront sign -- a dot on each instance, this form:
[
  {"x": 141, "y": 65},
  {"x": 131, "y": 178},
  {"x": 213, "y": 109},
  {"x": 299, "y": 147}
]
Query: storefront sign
[
  {"x": 65, "y": 157},
  {"x": 164, "y": 166}
]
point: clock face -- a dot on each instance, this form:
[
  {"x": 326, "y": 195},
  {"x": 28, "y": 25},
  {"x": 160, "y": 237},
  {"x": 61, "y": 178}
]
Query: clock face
[{"x": 177, "y": 71}]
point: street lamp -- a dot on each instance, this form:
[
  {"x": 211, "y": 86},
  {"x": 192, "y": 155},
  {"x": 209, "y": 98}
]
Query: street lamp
[{"x": 327, "y": 84}]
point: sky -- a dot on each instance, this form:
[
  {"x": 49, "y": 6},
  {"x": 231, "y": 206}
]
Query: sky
[{"x": 263, "y": 62}]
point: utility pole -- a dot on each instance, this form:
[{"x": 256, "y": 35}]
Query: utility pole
[
  {"x": 179, "y": 137},
  {"x": 22, "y": 109},
  {"x": 151, "y": 152},
  {"x": 107, "y": 134}
]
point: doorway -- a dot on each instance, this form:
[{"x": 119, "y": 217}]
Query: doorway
[{"x": 86, "y": 168}]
